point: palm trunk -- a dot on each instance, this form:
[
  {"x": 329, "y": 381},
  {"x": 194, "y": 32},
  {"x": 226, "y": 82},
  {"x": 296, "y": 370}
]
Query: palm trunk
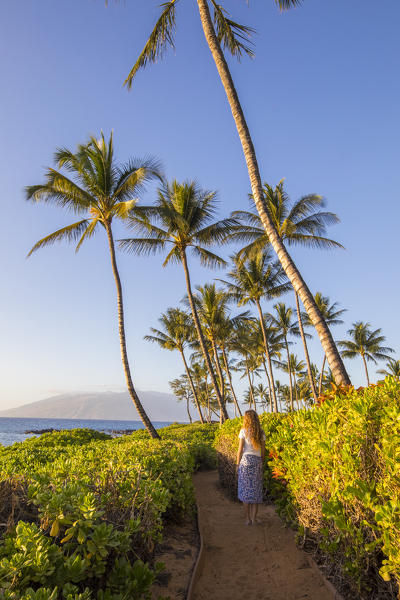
[
  {"x": 295, "y": 391},
  {"x": 208, "y": 403},
  {"x": 201, "y": 337},
  {"x": 271, "y": 374},
  {"x": 250, "y": 384},
  {"x": 366, "y": 368},
  {"x": 219, "y": 370},
  {"x": 325, "y": 336},
  {"x": 192, "y": 386},
  {"x": 321, "y": 377},
  {"x": 303, "y": 337},
  {"x": 237, "y": 407},
  {"x": 269, "y": 385},
  {"x": 121, "y": 327},
  {"x": 188, "y": 411},
  {"x": 290, "y": 373}
]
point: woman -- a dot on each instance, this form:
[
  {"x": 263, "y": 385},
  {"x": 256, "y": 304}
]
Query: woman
[{"x": 250, "y": 458}]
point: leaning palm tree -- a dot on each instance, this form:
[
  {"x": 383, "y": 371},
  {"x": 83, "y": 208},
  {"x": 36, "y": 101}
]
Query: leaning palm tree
[
  {"x": 250, "y": 281},
  {"x": 302, "y": 223},
  {"x": 182, "y": 219},
  {"x": 332, "y": 316},
  {"x": 365, "y": 343},
  {"x": 392, "y": 369},
  {"x": 221, "y": 32},
  {"x": 103, "y": 191},
  {"x": 176, "y": 334}
]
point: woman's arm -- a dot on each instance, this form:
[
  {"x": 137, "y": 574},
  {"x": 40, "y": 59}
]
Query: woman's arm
[
  {"x": 263, "y": 449},
  {"x": 240, "y": 451}
]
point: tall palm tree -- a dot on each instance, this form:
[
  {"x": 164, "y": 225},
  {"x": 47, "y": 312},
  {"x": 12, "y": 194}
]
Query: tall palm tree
[
  {"x": 103, "y": 191},
  {"x": 182, "y": 219},
  {"x": 212, "y": 308},
  {"x": 222, "y": 32},
  {"x": 258, "y": 277},
  {"x": 283, "y": 319},
  {"x": 392, "y": 369},
  {"x": 332, "y": 316},
  {"x": 176, "y": 334},
  {"x": 301, "y": 223},
  {"x": 366, "y": 343},
  {"x": 257, "y": 347}
]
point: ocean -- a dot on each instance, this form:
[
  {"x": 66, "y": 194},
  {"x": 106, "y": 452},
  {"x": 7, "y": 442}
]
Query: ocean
[{"x": 15, "y": 430}]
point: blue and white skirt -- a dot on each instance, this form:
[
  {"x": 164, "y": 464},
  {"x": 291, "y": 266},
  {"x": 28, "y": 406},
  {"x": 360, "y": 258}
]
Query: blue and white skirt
[{"x": 250, "y": 479}]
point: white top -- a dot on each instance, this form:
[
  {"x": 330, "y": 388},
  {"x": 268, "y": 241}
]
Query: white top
[{"x": 248, "y": 447}]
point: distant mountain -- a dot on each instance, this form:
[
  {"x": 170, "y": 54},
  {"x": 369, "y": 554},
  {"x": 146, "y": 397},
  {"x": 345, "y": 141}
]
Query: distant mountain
[{"x": 104, "y": 405}]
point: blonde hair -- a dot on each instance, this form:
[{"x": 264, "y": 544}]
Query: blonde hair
[{"x": 251, "y": 424}]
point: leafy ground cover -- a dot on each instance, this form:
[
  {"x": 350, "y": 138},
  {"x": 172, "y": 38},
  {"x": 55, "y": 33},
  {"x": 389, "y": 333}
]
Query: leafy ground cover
[
  {"x": 334, "y": 472},
  {"x": 82, "y": 512}
]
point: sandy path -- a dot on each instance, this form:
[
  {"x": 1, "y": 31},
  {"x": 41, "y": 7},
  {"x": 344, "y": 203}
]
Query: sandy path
[{"x": 259, "y": 562}]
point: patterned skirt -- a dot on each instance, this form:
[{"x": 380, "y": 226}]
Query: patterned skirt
[{"x": 250, "y": 479}]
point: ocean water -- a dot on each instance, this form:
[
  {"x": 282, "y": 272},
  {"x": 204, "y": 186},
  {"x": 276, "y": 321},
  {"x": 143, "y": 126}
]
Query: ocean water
[{"x": 14, "y": 430}]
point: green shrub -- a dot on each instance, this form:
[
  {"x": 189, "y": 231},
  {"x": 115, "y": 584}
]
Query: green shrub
[
  {"x": 335, "y": 471},
  {"x": 96, "y": 508}
]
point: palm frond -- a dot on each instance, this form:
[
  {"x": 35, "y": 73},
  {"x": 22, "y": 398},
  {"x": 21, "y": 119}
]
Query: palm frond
[
  {"x": 232, "y": 36},
  {"x": 287, "y": 4},
  {"x": 61, "y": 191},
  {"x": 161, "y": 37},
  {"x": 88, "y": 233},
  {"x": 312, "y": 241},
  {"x": 132, "y": 176},
  {"x": 70, "y": 233},
  {"x": 122, "y": 210},
  {"x": 141, "y": 246},
  {"x": 207, "y": 258},
  {"x": 173, "y": 256}
]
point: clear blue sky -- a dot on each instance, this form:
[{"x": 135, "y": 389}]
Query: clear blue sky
[{"x": 321, "y": 98}]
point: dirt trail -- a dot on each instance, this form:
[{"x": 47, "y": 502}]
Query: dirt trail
[{"x": 259, "y": 562}]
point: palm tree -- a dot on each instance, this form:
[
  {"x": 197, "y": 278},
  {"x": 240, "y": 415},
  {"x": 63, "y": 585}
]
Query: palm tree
[
  {"x": 261, "y": 392},
  {"x": 257, "y": 347},
  {"x": 297, "y": 367},
  {"x": 177, "y": 333},
  {"x": 182, "y": 218},
  {"x": 284, "y": 322},
  {"x": 258, "y": 277},
  {"x": 392, "y": 369},
  {"x": 183, "y": 391},
  {"x": 301, "y": 223},
  {"x": 103, "y": 191},
  {"x": 212, "y": 308},
  {"x": 332, "y": 316},
  {"x": 366, "y": 343},
  {"x": 234, "y": 38}
]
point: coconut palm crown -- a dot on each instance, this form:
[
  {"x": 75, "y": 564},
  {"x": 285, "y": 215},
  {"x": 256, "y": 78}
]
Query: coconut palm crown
[
  {"x": 300, "y": 223},
  {"x": 366, "y": 343},
  {"x": 101, "y": 190},
  {"x": 181, "y": 220},
  {"x": 392, "y": 369}
]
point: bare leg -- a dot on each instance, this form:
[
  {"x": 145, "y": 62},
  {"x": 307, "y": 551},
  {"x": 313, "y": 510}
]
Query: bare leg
[
  {"x": 247, "y": 508},
  {"x": 254, "y": 512}
]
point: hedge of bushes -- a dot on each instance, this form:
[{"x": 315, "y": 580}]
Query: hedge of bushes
[
  {"x": 81, "y": 513},
  {"x": 335, "y": 472}
]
